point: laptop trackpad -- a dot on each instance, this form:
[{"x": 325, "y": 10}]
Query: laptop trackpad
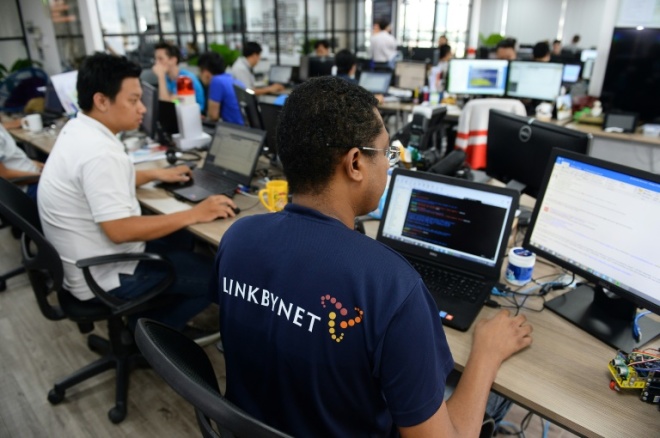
[{"x": 193, "y": 193}]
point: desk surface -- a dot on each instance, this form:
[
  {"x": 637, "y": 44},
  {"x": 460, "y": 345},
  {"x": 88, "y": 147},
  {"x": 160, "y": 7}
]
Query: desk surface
[
  {"x": 43, "y": 140},
  {"x": 563, "y": 376},
  {"x": 596, "y": 130}
]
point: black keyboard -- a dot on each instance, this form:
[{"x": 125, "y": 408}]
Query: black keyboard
[
  {"x": 449, "y": 284},
  {"x": 211, "y": 183}
]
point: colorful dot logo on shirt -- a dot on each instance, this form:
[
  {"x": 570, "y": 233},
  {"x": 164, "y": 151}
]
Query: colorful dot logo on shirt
[{"x": 333, "y": 323}]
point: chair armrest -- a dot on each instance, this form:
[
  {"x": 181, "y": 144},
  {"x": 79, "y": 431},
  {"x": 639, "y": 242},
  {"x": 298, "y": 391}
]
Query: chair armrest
[
  {"x": 22, "y": 180},
  {"x": 119, "y": 306}
]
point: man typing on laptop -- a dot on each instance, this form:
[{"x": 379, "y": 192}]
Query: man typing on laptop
[
  {"x": 329, "y": 332},
  {"x": 88, "y": 206}
]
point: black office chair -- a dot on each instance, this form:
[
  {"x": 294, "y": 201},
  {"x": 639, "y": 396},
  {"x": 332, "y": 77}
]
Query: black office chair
[
  {"x": 187, "y": 369},
  {"x": 46, "y": 274},
  {"x": 249, "y": 107}
]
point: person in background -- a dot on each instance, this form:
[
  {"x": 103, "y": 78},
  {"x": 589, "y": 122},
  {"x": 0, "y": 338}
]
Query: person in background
[
  {"x": 541, "y": 51},
  {"x": 14, "y": 163},
  {"x": 442, "y": 41},
  {"x": 439, "y": 72},
  {"x": 556, "y": 48},
  {"x": 242, "y": 70},
  {"x": 322, "y": 48},
  {"x": 167, "y": 71},
  {"x": 340, "y": 360},
  {"x": 506, "y": 49},
  {"x": 346, "y": 65},
  {"x": 573, "y": 46},
  {"x": 88, "y": 204},
  {"x": 383, "y": 44},
  {"x": 222, "y": 101}
]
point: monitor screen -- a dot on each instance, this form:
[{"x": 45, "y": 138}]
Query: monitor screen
[
  {"x": 376, "y": 82},
  {"x": 599, "y": 220},
  {"x": 588, "y": 54},
  {"x": 519, "y": 148},
  {"x": 428, "y": 55},
  {"x": 477, "y": 76},
  {"x": 410, "y": 75},
  {"x": 632, "y": 77},
  {"x": 150, "y": 117},
  {"x": 571, "y": 73},
  {"x": 52, "y": 103},
  {"x": 534, "y": 80},
  {"x": 320, "y": 66},
  {"x": 280, "y": 74},
  {"x": 167, "y": 117},
  {"x": 65, "y": 87}
]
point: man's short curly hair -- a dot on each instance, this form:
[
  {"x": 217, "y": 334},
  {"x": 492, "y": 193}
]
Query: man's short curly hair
[{"x": 321, "y": 120}]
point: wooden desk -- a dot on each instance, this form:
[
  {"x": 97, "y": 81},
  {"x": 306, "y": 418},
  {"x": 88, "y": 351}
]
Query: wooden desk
[
  {"x": 634, "y": 150},
  {"x": 563, "y": 376},
  {"x": 42, "y": 141}
]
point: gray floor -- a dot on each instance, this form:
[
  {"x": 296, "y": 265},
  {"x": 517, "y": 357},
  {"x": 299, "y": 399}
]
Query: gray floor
[{"x": 35, "y": 352}]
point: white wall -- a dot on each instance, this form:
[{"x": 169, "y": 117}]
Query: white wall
[
  {"x": 531, "y": 21},
  {"x": 490, "y": 17},
  {"x": 585, "y": 18},
  {"x": 41, "y": 35}
]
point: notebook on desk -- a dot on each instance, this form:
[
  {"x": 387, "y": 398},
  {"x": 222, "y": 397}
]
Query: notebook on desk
[
  {"x": 230, "y": 162},
  {"x": 454, "y": 232}
]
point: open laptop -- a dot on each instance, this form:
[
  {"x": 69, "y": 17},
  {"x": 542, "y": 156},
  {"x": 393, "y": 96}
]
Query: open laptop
[
  {"x": 376, "y": 82},
  {"x": 454, "y": 232},
  {"x": 230, "y": 162},
  {"x": 280, "y": 74},
  {"x": 53, "y": 109}
]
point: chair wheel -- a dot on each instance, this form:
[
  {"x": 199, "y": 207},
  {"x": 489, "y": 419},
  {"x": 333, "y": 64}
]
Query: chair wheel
[
  {"x": 117, "y": 414},
  {"x": 55, "y": 396}
]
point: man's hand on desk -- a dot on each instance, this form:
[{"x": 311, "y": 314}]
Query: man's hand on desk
[
  {"x": 500, "y": 337},
  {"x": 212, "y": 208},
  {"x": 169, "y": 175},
  {"x": 276, "y": 88}
]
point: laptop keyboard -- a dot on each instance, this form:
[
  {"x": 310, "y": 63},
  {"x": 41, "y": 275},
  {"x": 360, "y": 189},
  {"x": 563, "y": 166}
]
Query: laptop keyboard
[
  {"x": 213, "y": 184},
  {"x": 448, "y": 284}
]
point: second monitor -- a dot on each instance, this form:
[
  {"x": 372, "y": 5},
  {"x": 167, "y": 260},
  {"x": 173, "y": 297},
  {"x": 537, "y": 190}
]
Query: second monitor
[
  {"x": 477, "y": 76},
  {"x": 534, "y": 80}
]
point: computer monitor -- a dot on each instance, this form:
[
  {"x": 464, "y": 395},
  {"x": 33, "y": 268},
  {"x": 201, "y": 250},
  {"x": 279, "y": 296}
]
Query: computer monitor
[
  {"x": 150, "y": 118},
  {"x": 477, "y": 76},
  {"x": 320, "y": 66},
  {"x": 534, "y": 80},
  {"x": 52, "y": 103},
  {"x": 518, "y": 148},
  {"x": 375, "y": 81},
  {"x": 410, "y": 75},
  {"x": 571, "y": 73},
  {"x": 280, "y": 74},
  {"x": 599, "y": 220},
  {"x": 525, "y": 53},
  {"x": 429, "y": 55},
  {"x": 270, "y": 114},
  {"x": 168, "y": 124},
  {"x": 588, "y": 54},
  {"x": 65, "y": 87}
]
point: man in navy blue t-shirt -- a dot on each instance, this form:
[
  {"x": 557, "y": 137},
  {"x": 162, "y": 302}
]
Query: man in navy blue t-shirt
[
  {"x": 328, "y": 332},
  {"x": 222, "y": 101}
]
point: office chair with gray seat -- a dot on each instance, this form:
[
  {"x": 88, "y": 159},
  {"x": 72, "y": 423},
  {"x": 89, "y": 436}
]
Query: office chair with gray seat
[
  {"x": 46, "y": 273},
  {"x": 187, "y": 369}
]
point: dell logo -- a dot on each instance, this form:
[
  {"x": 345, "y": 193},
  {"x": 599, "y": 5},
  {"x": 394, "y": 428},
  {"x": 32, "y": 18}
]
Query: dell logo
[{"x": 525, "y": 133}]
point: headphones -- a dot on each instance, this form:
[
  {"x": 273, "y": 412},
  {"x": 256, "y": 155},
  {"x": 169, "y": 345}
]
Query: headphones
[{"x": 173, "y": 156}]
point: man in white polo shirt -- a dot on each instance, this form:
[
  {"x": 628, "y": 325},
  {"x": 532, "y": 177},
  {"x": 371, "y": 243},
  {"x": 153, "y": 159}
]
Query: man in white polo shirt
[{"x": 88, "y": 205}]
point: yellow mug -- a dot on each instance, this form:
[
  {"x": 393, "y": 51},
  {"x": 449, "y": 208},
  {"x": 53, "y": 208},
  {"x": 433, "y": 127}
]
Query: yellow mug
[{"x": 276, "y": 195}]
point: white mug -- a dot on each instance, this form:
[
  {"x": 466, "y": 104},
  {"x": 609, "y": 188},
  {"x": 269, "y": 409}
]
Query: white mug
[{"x": 32, "y": 123}]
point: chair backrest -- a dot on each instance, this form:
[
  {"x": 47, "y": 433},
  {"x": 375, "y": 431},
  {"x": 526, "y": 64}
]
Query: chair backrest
[
  {"x": 40, "y": 259},
  {"x": 472, "y": 135},
  {"x": 249, "y": 107},
  {"x": 187, "y": 369}
]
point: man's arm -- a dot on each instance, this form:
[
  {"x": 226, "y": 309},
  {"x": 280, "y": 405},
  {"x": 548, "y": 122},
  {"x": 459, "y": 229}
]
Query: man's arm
[
  {"x": 170, "y": 174},
  {"x": 271, "y": 89},
  {"x": 495, "y": 340},
  {"x": 7, "y": 173},
  {"x": 143, "y": 228},
  {"x": 160, "y": 72},
  {"x": 213, "y": 110}
]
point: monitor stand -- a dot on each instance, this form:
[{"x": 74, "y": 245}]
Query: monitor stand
[
  {"x": 525, "y": 215},
  {"x": 608, "y": 318}
]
